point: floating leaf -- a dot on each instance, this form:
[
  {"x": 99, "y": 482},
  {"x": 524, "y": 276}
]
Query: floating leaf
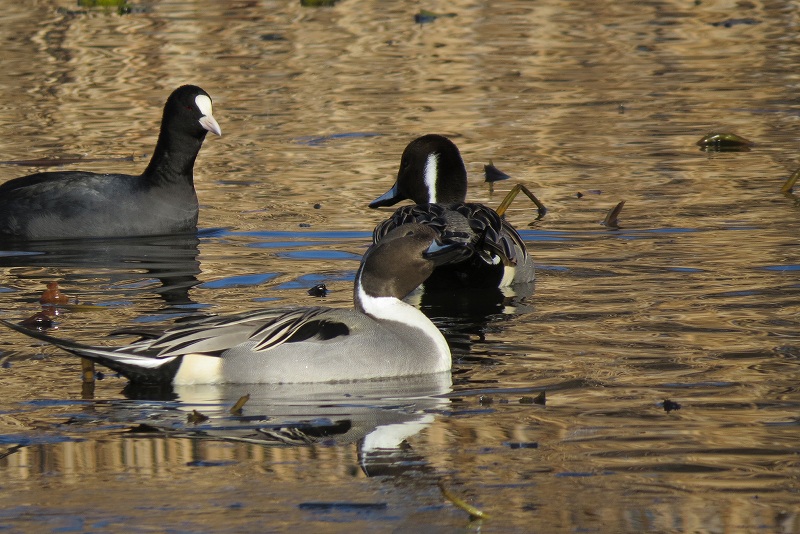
[
  {"x": 612, "y": 217},
  {"x": 789, "y": 185},
  {"x": 724, "y": 142},
  {"x": 122, "y": 6}
]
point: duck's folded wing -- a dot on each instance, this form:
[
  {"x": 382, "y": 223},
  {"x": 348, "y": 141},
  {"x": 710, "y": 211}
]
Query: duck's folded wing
[
  {"x": 432, "y": 215},
  {"x": 497, "y": 236},
  {"x": 266, "y": 328}
]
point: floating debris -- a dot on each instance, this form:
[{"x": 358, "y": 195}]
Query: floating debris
[
  {"x": 122, "y": 7},
  {"x": 521, "y": 444},
  {"x": 526, "y": 400},
  {"x": 735, "y": 22},
  {"x": 342, "y": 506},
  {"x": 671, "y": 405},
  {"x": 493, "y": 174},
  {"x": 40, "y": 320},
  {"x": 53, "y": 295},
  {"x": 789, "y": 185},
  {"x": 540, "y": 399},
  {"x": 273, "y": 37},
  {"x": 485, "y": 400},
  {"x": 724, "y": 142},
  {"x": 501, "y": 209},
  {"x": 424, "y": 16},
  {"x": 318, "y": 290},
  {"x": 458, "y": 502},
  {"x": 318, "y": 3},
  {"x": 612, "y": 217},
  {"x": 236, "y": 409},
  {"x": 196, "y": 417}
]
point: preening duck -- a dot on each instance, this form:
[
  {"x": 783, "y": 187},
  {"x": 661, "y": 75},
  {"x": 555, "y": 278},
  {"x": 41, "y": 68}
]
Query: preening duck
[{"x": 432, "y": 175}]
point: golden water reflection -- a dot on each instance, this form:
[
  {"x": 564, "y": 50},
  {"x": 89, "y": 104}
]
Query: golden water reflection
[{"x": 693, "y": 299}]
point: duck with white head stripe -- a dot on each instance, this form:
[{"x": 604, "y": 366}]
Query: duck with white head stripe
[{"x": 433, "y": 176}]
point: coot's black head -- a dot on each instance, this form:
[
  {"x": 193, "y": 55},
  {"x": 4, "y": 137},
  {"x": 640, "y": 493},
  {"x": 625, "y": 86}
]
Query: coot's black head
[{"x": 188, "y": 110}]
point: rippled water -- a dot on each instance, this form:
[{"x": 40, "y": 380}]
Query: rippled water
[{"x": 694, "y": 299}]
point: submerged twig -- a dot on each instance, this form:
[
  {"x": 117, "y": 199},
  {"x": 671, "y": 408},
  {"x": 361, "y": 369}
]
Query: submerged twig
[
  {"x": 460, "y": 503},
  {"x": 789, "y": 185},
  {"x": 501, "y": 209},
  {"x": 236, "y": 409}
]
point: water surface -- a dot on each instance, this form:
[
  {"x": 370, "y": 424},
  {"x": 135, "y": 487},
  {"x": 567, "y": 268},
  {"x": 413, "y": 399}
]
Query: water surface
[{"x": 693, "y": 299}]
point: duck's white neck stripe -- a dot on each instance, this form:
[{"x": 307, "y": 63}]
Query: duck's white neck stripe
[
  {"x": 431, "y": 173},
  {"x": 392, "y": 309}
]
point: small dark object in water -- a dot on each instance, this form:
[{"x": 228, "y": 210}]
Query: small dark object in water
[
  {"x": 734, "y": 22},
  {"x": 99, "y": 375},
  {"x": 540, "y": 399},
  {"x": 196, "y": 417},
  {"x": 724, "y": 142},
  {"x": 579, "y": 194},
  {"x": 39, "y": 321},
  {"x": 318, "y": 290},
  {"x": 522, "y": 444},
  {"x": 304, "y": 225},
  {"x": 317, "y": 206},
  {"x": 483, "y": 400},
  {"x": 342, "y": 506},
  {"x": 526, "y": 400},
  {"x": 318, "y": 3},
  {"x": 273, "y": 37},
  {"x": 493, "y": 174},
  {"x": 424, "y": 16},
  {"x": 671, "y": 405}
]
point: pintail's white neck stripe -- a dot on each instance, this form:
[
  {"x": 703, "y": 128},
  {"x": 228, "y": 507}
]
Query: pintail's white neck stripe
[
  {"x": 431, "y": 174},
  {"x": 392, "y": 309}
]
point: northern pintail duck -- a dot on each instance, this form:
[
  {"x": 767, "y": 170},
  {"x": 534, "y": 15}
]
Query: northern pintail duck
[
  {"x": 382, "y": 337},
  {"x": 79, "y": 204},
  {"x": 432, "y": 174}
]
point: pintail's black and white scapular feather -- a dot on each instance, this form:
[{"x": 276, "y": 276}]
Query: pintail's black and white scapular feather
[
  {"x": 382, "y": 337},
  {"x": 79, "y": 204},
  {"x": 432, "y": 174}
]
